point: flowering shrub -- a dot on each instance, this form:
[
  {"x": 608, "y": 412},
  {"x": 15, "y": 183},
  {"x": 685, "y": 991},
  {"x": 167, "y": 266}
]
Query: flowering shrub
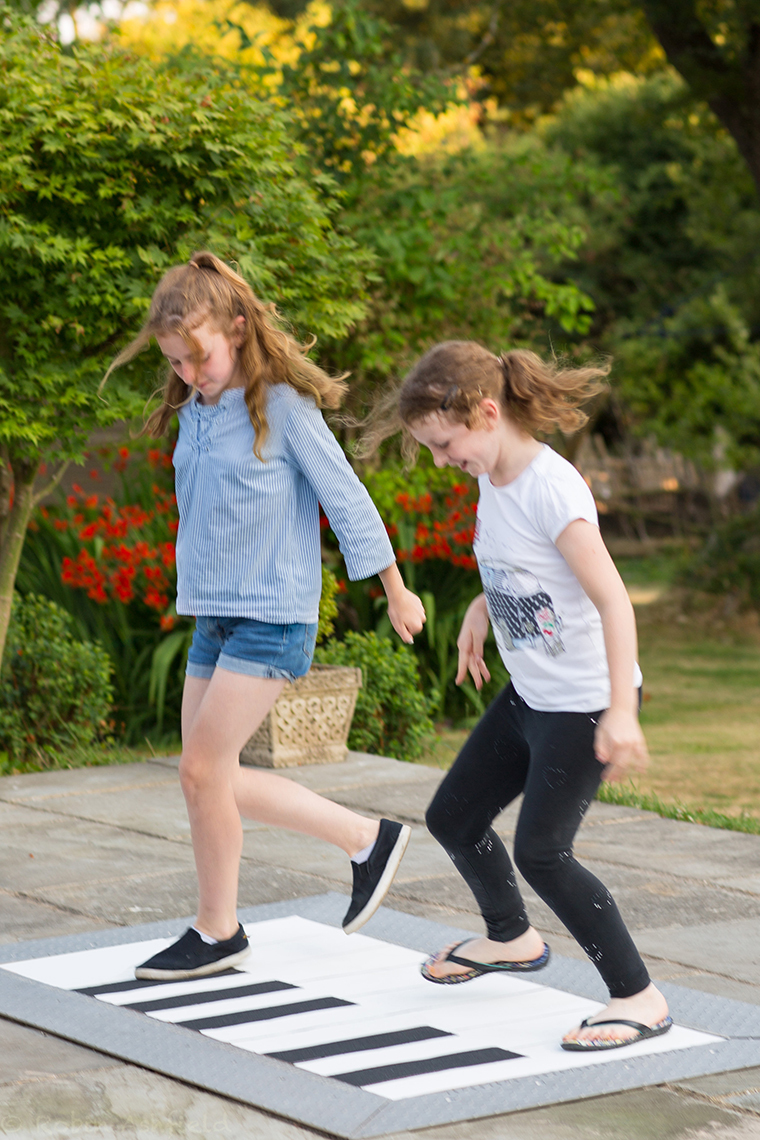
[
  {"x": 429, "y": 514},
  {"x": 448, "y": 538},
  {"x": 109, "y": 560},
  {"x": 111, "y": 565},
  {"x": 125, "y": 552}
]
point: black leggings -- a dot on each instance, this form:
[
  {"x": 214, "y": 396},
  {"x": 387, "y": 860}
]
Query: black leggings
[{"x": 549, "y": 756}]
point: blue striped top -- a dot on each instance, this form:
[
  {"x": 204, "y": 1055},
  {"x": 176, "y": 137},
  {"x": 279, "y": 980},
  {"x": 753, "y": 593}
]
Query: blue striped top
[{"x": 248, "y": 543}]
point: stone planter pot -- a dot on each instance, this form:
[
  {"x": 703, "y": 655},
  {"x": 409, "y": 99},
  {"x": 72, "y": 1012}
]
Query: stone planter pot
[{"x": 310, "y": 721}]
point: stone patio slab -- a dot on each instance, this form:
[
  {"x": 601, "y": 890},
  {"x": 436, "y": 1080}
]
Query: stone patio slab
[
  {"x": 43, "y": 849},
  {"x": 730, "y": 948}
]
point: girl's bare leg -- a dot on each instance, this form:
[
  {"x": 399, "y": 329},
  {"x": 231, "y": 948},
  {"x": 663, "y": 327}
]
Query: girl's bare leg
[{"x": 218, "y": 717}]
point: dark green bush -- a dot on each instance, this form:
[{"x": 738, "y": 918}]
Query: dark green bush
[
  {"x": 55, "y": 691},
  {"x": 392, "y": 715},
  {"x": 729, "y": 562}
]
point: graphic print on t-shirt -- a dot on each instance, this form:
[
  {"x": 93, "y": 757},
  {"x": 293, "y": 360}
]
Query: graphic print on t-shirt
[{"x": 522, "y": 613}]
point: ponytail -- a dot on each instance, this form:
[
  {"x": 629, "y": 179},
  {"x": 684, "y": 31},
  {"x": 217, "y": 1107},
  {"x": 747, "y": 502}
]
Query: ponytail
[
  {"x": 543, "y": 396},
  {"x": 452, "y": 379}
]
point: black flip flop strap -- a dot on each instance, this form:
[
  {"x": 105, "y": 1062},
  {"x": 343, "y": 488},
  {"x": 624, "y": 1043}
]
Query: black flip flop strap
[
  {"x": 586, "y": 1024},
  {"x": 484, "y": 967}
]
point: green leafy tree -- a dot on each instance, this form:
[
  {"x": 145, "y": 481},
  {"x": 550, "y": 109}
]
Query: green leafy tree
[
  {"x": 715, "y": 46},
  {"x": 532, "y": 51},
  {"x": 528, "y": 52},
  {"x": 670, "y": 260},
  {"x": 469, "y": 246},
  {"x": 111, "y": 170},
  {"x": 351, "y": 92}
]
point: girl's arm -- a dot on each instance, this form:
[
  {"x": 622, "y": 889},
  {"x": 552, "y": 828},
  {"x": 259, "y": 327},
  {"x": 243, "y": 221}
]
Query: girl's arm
[
  {"x": 472, "y": 638},
  {"x": 619, "y": 741},
  {"x": 405, "y": 610},
  {"x": 353, "y": 516}
]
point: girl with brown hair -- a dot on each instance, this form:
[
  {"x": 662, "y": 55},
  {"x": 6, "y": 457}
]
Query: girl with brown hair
[
  {"x": 253, "y": 461},
  {"x": 565, "y": 629}
]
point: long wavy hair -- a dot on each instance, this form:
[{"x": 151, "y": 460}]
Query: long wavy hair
[
  {"x": 453, "y": 377},
  {"x": 207, "y": 289}
]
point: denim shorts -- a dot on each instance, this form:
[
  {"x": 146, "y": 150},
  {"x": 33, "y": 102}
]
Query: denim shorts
[{"x": 256, "y": 648}]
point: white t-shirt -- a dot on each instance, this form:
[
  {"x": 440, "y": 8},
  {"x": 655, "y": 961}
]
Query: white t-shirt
[{"x": 548, "y": 630}]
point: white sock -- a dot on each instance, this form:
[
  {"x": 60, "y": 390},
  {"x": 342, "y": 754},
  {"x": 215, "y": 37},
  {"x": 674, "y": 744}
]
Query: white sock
[
  {"x": 205, "y": 937},
  {"x": 363, "y": 855}
]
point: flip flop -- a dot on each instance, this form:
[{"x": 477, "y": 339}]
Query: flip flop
[
  {"x": 477, "y": 969},
  {"x": 598, "y": 1045}
]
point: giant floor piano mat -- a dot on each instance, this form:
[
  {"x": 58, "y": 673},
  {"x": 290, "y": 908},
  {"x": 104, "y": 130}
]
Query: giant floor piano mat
[{"x": 355, "y": 1013}]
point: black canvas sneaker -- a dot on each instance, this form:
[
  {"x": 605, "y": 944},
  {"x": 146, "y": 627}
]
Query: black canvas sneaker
[
  {"x": 373, "y": 878},
  {"x": 191, "y": 957}
]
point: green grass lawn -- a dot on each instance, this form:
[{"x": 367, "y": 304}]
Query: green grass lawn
[{"x": 701, "y": 711}]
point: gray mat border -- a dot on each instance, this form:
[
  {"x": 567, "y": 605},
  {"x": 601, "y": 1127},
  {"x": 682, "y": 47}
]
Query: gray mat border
[{"x": 340, "y": 1110}]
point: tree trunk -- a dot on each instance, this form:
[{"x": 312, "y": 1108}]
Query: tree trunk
[
  {"x": 12, "y": 545},
  {"x": 729, "y": 83}
]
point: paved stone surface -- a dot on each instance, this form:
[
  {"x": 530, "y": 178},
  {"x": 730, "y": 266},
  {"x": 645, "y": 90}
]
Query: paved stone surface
[{"x": 82, "y": 850}]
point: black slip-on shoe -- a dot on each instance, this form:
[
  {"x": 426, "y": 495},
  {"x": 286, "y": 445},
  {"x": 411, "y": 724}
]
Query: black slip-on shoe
[
  {"x": 191, "y": 957},
  {"x": 373, "y": 878}
]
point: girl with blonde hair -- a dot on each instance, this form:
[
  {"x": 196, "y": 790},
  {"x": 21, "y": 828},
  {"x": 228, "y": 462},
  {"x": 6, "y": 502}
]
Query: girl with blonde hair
[{"x": 253, "y": 461}]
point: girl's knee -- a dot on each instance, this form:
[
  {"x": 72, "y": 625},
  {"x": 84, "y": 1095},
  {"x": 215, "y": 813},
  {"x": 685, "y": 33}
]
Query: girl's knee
[
  {"x": 437, "y": 821},
  {"x": 536, "y": 860},
  {"x": 193, "y": 772},
  {"x": 453, "y": 823}
]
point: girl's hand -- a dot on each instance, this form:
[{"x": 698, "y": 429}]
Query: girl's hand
[
  {"x": 619, "y": 745},
  {"x": 405, "y": 609},
  {"x": 406, "y": 612},
  {"x": 472, "y": 638}
]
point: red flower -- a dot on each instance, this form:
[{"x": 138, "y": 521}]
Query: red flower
[
  {"x": 154, "y": 599},
  {"x": 167, "y": 622}
]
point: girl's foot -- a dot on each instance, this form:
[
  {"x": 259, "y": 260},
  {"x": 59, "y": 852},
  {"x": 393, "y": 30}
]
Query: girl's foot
[
  {"x": 648, "y": 1008},
  {"x": 191, "y": 957},
  {"x": 374, "y": 875},
  {"x": 528, "y": 947}
]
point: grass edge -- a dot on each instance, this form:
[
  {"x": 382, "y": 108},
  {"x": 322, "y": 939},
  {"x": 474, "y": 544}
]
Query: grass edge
[{"x": 629, "y": 796}]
